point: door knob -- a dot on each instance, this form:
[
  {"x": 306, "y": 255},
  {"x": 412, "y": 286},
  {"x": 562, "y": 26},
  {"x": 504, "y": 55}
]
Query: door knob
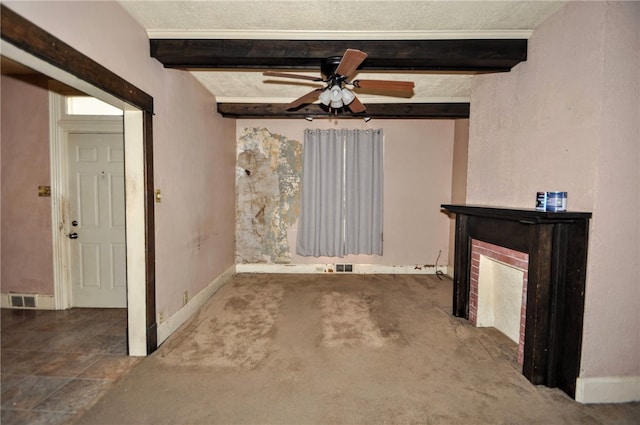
[{"x": 73, "y": 235}]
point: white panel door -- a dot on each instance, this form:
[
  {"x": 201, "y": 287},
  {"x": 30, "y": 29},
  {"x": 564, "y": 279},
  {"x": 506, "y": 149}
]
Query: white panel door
[{"x": 97, "y": 220}]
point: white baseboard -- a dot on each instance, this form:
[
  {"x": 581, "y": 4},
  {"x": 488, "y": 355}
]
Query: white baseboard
[
  {"x": 608, "y": 389},
  {"x": 331, "y": 268},
  {"x": 43, "y": 302},
  {"x": 172, "y": 324}
]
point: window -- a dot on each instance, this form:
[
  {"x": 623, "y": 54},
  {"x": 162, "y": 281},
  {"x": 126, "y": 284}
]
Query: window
[
  {"x": 85, "y": 105},
  {"x": 342, "y": 196}
]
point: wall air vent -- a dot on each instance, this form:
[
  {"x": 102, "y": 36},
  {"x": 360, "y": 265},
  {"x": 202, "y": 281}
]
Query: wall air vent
[
  {"x": 344, "y": 268},
  {"x": 22, "y": 301}
]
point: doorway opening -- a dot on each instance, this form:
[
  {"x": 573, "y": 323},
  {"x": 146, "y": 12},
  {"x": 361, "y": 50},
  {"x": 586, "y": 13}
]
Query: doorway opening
[
  {"x": 138, "y": 110},
  {"x": 87, "y": 140}
]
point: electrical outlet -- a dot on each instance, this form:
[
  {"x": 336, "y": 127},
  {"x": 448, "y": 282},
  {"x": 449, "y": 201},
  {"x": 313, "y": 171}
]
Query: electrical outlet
[
  {"x": 185, "y": 298},
  {"x": 161, "y": 317}
]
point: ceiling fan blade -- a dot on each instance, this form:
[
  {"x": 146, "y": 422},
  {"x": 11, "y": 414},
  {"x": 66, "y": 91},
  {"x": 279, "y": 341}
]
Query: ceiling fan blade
[
  {"x": 384, "y": 85},
  {"x": 310, "y": 97},
  {"x": 285, "y": 75},
  {"x": 351, "y": 60},
  {"x": 356, "y": 106}
]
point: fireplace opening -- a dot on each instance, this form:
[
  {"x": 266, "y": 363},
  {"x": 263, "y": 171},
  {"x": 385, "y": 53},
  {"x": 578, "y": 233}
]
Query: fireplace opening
[
  {"x": 498, "y": 292},
  {"x": 500, "y": 297}
]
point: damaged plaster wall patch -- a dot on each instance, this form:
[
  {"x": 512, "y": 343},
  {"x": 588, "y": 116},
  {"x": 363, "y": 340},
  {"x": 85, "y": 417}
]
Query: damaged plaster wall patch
[{"x": 268, "y": 171}]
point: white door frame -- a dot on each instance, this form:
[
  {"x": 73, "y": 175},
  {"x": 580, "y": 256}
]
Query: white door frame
[
  {"x": 60, "y": 126},
  {"x": 134, "y": 199}
]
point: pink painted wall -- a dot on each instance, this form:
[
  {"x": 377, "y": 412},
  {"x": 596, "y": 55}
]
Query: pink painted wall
[
  {"x": 458, "y": 180},
  {"x": 418, "y": 160},
  {"x": 568, "y": 119},
  {"x": 25, "y": 262},
  {"x": 194, "y": 148},
  {"x": 460, "y": 162}
]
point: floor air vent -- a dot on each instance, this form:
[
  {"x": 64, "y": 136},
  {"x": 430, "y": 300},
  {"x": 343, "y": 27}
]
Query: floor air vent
[{"x": 23, "y": 301}]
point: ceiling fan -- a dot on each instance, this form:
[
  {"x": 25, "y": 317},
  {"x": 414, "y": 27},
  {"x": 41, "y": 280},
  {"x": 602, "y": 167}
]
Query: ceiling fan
[{"x": 337, "y": 73}]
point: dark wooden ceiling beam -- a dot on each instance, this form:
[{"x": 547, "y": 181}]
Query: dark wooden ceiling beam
[
  {"x": 374, "y": 110},
  {"x": 34, "y": 40},
  {"x": 488, "y": 55}
]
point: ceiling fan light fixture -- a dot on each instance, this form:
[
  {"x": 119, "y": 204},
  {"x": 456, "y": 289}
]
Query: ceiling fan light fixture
[
  {"x": 336, "y": 94},
  {"x": 325, "y": 97},
  {"x": 347, "y": 96},
  {"x": 336, "y": 72}
]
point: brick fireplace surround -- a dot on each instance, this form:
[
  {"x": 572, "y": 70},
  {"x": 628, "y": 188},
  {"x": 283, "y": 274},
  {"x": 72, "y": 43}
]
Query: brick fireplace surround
[{"x": 556, "y": 244}]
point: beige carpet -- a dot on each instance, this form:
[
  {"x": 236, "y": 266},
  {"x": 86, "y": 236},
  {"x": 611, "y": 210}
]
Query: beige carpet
[{"x": 338, "y": 349}]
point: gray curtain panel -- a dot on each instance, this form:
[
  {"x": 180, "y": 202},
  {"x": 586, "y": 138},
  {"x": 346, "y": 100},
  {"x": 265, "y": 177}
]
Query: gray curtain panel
[
  {"x": 364, "y": 189},
  {"x": 342, "y": 193}
]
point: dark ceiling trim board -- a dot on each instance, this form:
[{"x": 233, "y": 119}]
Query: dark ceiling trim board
[
  {"x": 25, "y": 35},
  {"x": 374, "y": 110},
  {"x": 488, "y": 55}
]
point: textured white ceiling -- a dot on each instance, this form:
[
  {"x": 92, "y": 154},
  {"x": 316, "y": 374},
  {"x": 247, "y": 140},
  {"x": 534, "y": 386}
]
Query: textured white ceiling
[{"x": 348, "y": 19}]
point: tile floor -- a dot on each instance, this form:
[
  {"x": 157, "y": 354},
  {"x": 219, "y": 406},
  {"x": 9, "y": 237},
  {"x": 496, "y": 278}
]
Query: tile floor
[{"x": 56, "y": 364}]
